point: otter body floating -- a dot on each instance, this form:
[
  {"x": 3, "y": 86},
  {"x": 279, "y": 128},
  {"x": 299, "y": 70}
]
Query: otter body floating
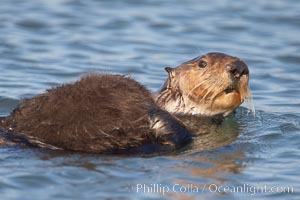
[{"x": 105, "y": 113}]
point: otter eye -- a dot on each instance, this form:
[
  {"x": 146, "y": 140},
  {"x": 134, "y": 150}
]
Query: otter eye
[{"x": 202, "y": 64}]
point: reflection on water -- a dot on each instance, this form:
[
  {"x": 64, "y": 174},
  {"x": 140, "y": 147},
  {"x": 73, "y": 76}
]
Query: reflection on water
[
  {"x": 209, "y": 134},
  {"x": 202, "y": 173},
  {"x": 46, "y": 43}
]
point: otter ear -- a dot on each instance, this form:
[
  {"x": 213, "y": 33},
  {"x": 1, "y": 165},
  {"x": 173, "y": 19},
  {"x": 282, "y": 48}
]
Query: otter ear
[{"x": 171, "y": 72}]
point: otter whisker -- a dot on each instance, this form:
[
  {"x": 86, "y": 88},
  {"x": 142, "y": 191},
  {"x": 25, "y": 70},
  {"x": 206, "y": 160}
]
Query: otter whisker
[
  {"x": 215, "y": 94},
  {"x": 210, "y": 89},
  {"x": 197, "y": 86}
]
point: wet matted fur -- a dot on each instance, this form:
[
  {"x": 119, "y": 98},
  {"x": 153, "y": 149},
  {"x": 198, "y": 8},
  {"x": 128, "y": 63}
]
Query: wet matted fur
[{"x": 99, "y": 113}]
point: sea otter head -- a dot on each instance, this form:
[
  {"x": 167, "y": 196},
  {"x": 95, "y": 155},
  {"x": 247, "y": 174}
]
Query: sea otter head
[{"x": 213, "y": 84}]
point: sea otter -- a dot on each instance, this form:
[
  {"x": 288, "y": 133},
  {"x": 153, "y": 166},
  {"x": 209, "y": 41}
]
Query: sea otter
[{"x": 104, "y": 113}]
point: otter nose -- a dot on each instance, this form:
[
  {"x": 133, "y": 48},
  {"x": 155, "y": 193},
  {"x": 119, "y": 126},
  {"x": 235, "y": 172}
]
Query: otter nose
[{"x": 238, "y": 70}]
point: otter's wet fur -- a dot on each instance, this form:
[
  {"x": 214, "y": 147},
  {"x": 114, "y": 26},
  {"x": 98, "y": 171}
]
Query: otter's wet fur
[{"x": 100, "y": 113}]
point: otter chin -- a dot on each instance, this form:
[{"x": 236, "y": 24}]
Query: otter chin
[
  {"x": 104, "y": 113},
  {"x": 213, "y": 84}
]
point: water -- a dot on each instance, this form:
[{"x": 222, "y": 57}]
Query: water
[{"x": 46, "y": 43}]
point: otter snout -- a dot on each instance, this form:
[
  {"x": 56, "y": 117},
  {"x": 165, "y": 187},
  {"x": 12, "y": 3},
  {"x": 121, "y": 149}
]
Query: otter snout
[{"x": 237, "y": 70}]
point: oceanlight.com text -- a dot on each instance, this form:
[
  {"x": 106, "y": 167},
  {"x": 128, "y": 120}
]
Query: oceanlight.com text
[{"x": 208, "y": 188}]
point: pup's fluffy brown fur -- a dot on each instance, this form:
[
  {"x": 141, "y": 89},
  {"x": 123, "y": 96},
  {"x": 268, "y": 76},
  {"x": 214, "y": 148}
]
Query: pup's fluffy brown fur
[{"x": 99, "y": 113}]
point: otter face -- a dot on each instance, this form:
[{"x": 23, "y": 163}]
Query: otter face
[{"x": 209, "y": 85}]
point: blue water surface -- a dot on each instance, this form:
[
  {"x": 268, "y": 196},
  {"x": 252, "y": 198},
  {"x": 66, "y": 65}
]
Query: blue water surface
[{"x": 45, "y": 43}]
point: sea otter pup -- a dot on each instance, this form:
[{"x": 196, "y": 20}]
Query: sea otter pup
[{"x": 103, "y": 113}]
